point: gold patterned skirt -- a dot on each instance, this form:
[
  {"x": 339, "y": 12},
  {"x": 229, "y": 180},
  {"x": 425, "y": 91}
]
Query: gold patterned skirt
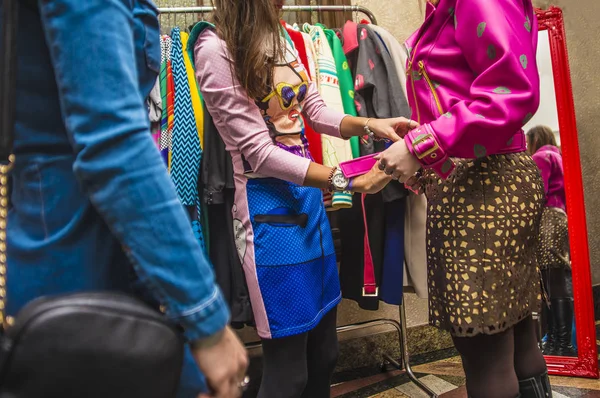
[
  {"x": 482, "y": 229},
  {"x": 553, "y": 246}
]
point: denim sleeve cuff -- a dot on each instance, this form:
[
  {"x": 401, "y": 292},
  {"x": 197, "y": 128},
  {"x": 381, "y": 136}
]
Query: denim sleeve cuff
[
  {"x": 205, "y": 319},
  {"x": 423, "y": 144}
]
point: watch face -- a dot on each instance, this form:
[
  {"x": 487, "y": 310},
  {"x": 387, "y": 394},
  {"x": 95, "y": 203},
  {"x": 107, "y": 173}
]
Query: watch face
[{"x": 339, "y": 181}]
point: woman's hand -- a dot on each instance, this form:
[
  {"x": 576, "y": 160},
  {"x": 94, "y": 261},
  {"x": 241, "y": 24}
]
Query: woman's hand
[
  {"x": 223, "y": 360},
  {"x": 398, "y": 162},
  {"x": 392, "y": 129},
  {"x": 415, "y": 184},
  {"x": 372, "y": 182}
]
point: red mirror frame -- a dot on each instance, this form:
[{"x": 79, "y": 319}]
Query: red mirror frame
[{"x": 586, "y": 364}]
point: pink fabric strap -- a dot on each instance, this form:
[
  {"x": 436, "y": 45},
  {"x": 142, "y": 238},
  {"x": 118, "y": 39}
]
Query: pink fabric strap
[{"x": 370, "y": 288}]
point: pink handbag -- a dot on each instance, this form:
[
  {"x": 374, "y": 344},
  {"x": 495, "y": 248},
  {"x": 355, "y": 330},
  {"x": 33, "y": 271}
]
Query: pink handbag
[{"x": 358, "y": 166}]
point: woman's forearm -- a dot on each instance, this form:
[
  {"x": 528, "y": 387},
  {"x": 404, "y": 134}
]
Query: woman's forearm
[
  {"x": 317, "y": 176},
  {"x": 353, "y": 126}
]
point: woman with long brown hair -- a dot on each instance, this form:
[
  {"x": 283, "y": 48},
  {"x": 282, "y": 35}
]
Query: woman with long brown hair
[
  {"x": 553, "y": 244},
  {"x": 256, "y": 89},
  {"x": 473, "y": 84}
]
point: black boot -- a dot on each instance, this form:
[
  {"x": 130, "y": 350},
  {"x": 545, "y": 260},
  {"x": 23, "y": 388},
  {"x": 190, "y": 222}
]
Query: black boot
[
  {"x": 548, "y": 346},
  {"x": 536, "y": 387},
  {"x": 562, "y": 312}
]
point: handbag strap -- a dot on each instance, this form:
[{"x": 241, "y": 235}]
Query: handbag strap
[
  {"x": 370, "y": 288},
  {"x": 8, "y": 74}
]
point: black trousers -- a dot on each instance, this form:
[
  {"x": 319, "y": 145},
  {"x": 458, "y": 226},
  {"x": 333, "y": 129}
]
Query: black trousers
[{"x": 301, "y": 366}]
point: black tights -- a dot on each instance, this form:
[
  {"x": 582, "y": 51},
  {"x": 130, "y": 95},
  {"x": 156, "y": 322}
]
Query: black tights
[
  {"x": 301, "y": 366},
  {"x": 494, "y": 364}
]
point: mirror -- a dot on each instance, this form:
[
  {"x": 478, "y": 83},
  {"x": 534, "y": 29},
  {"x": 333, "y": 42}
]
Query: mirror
[{"x": 567, "y": 330}]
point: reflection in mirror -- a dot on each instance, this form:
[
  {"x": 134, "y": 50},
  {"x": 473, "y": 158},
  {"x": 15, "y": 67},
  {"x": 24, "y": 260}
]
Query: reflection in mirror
[{"x": 543, "y": 142}]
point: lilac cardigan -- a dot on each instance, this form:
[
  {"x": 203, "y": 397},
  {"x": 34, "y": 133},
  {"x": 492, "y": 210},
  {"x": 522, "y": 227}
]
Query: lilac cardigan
[
  {"x": 549, "y": 160},
  {"x": 472, "y": 80}
]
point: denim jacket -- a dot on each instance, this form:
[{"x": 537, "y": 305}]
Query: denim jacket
[{"x": 93, "y": 207}]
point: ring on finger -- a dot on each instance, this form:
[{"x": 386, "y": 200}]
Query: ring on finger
[
  {"x": 243, "y": 385},
  {"x": 382, "y": 165}
]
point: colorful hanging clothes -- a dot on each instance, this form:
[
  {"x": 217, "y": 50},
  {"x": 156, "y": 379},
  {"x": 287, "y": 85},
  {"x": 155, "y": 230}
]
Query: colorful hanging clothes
[
  {"x": 155, "y": 106},
  {"x": 170, "y": 103},
  {"x": 311, "y": 57},
  {"x": 335, "y": 150},
  {"x": 346, "y": 81},
  {"x": 415, "y": 248},
  {"x": 197, "y": 105},
  {"x": 377, "y": 89},
  {"x": 396, "y": 50},
  {"x": 194, "y": 92},
  {"x": 165, "y": 127},
  {"x": 314, "y": 139},
  {"x": 186, "y": 151}
]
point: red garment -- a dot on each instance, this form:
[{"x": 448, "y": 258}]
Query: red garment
[
  {"x": 170, "y": 109},
  {"x": 314, "y": 140},
  {"x": 170, "y": 96}
]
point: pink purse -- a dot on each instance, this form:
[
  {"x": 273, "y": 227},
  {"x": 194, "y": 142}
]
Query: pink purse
[{"x": 358, "y": 166}]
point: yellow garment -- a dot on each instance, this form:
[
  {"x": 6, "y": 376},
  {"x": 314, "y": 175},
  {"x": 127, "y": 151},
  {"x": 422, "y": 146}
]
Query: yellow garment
[{"x": 195, "y": 93}]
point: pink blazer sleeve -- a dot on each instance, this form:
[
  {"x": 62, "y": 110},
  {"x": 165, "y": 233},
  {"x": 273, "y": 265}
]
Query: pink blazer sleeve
[
  {"x": 498, "y": 40},
  {"x": 237, "y": 117}
]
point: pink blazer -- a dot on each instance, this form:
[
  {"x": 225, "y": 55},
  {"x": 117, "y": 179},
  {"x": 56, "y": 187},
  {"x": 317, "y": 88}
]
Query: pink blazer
[
  {"x": 549, "y": 160},
  {"x": 472, "y": 80}
]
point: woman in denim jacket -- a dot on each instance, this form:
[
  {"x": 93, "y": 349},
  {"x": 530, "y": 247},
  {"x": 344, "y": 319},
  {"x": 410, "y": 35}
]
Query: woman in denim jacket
[{"x": 93, "y": 206}]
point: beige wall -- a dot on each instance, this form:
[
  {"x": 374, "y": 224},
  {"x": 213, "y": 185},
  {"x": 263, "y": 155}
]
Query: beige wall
[{"x": 582, "y": 21}]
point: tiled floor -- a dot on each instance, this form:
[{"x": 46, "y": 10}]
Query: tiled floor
[
  {"x": 445, "y": 378},
  {"x": 443, "y": 375},
  {"x": 440, "y": 371}
]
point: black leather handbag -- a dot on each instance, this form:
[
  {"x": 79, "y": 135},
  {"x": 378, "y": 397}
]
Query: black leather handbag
[{"x": 90, "y": 345}]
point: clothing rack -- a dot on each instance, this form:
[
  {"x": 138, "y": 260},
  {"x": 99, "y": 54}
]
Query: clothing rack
[
  {"x": 404, "y": 364},
  {"x": 309, "y": 8}
]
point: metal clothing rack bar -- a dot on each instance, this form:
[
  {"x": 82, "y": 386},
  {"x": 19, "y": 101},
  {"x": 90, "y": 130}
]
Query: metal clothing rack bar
[
  {"x": 404, "y": 364},
  {"x": 208, "y": 9}
]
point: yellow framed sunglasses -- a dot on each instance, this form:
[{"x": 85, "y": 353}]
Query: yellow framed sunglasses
[{"x": 286, "y": 93}]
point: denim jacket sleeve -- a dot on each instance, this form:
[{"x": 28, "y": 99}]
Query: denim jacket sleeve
[{"x": 96, "y": 46}]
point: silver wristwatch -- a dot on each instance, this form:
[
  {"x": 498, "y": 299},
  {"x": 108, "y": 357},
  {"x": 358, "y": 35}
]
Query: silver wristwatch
[{"x": 339, "y": 182}]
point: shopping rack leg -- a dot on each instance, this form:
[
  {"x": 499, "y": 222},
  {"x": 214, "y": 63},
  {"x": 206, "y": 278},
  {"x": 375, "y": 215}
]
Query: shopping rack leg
[{"x": 405, "y": 366}]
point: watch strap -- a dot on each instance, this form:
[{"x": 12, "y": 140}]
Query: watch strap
[
  {"x": 350, "y": 184},
  {"x": 330, "y": 187}
]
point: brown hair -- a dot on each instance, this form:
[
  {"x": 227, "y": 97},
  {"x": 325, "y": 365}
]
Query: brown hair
[
  {"x": 538, "y": 137},
  {"x": 251, "y": 30}
]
